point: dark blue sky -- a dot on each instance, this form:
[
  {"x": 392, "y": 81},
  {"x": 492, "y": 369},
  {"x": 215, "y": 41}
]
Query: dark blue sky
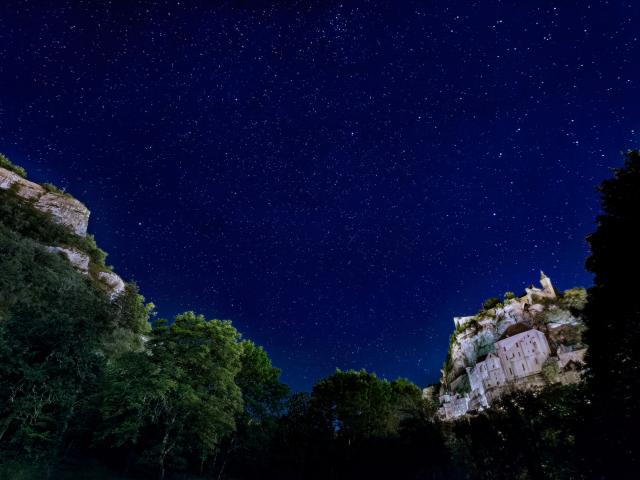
[{"x": 339, "y": 180}]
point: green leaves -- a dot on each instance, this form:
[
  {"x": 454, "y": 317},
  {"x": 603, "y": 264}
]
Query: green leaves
[
  {"x": 9, "y": 165},
  {"x": 358, "y": 405},
  {"x": 51, "y": 319},
  {"x": 259, "y": 381},
  {"x": 179, "y": 397}
]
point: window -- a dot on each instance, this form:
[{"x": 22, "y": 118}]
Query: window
[
  {"x": 523, "y": 369},
  {"x": 510, "y": 371}
]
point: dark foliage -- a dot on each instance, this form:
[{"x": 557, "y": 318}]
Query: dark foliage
[
  {"x": 612, "y": 316},
  {"x": 528, "y": 435},
  {"x": 51, "y": 322}
]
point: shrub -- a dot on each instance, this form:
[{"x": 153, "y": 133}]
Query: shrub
[
  {"x": 574, "y": 299},
  {"x": 51, "y": 188},
  {"x": 490, "y": 303},
  {"x": 550, "y": 370},
  {"x": 6, "y": 163}
]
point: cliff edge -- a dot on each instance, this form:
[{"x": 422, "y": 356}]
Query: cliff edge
[{"x": 63, "y": 208}]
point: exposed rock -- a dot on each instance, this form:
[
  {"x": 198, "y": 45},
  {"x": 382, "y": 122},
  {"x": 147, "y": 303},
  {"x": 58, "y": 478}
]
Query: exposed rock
[
  {"x": 67, "y": 211},
  {"x": 79, "y": 260},
  {"x": 113, "y": 282},
  {"x": 64, "y": 209}
]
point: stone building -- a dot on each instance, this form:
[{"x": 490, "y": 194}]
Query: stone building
[
  {"x": 515, "y": 359},
  {"x": 523, "y": 354},
  {"x": 503, "y": 349}
]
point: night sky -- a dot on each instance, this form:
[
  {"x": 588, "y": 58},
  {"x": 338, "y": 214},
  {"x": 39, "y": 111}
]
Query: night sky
[{"x": 340, "y": 180}]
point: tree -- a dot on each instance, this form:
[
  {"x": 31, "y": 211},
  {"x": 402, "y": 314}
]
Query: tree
[
  {"x": 51, "y": 322},
  {"x": 178, "y": 399},
  {"x": 575, "y": 300},
  {"x": 353, "y": 405},
  {"x": 612, "y": 316},
  {"x": 248, "y": 450},
  {"x": 527, "y": 435},
  {"x": 58, "y": 329},
  {"x": 129, "y": 323},
  {"x": 406, "y": 403},
  {"x": 262, "y": 391},
  {"x": 356, "y": 425}
]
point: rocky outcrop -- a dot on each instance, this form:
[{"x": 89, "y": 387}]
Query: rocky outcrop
[
  {"x": 79, "y": 260},
  {"x": 64, "y": 209},
  {"x": 113, "y": 282}
]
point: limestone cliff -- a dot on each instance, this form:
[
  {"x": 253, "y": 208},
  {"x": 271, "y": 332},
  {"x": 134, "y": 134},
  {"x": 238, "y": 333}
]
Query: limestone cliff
[{"x": 65, "y": 210}]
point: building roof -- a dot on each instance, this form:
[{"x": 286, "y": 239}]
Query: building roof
[
  {"x": 508, "y": 342},
  {"x": 514, "y": 330}
]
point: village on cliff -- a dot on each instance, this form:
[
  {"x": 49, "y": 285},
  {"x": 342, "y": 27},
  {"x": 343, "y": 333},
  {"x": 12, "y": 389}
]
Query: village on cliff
[{"x": 523, "y": 342}]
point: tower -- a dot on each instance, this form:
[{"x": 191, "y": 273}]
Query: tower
[{"x": 546, "y": 284}]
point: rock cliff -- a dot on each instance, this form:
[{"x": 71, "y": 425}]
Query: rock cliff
[
  {"x": 73, "y": 214},
  {"x": 63, "y": 208}
]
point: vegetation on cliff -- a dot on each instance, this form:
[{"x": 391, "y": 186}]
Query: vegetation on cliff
[
  {"x": 9, "y": 165},
  {"x": 24, "y": 219}
]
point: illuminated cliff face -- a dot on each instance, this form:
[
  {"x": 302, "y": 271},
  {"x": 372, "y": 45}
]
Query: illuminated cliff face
[{"x": 64, "y": 209}]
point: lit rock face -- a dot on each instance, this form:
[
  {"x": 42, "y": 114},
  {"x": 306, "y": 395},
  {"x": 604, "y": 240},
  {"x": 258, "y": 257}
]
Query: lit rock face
[
  {"x": 114, "y": 283},
  {"x": 79, "y": 260},
  {"x": 65, "y": 210}
]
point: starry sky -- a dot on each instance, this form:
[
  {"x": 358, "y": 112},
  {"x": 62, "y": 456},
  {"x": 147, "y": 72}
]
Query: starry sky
[{"x": 339, "y": 179}]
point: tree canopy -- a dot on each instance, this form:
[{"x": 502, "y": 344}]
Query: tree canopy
[{"x": 612, "y": 316}]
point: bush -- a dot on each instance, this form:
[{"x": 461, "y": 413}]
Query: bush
[
  {"x": 490, "y": 303},
  {"x": 550, "y": 370},
  {"x": 6, "y": 163},
  {"x": 574, "y": 299},
  {"x": 51, "y": 188}
]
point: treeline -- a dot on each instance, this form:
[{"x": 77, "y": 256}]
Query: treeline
[{"x": 88, "y": 389}]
